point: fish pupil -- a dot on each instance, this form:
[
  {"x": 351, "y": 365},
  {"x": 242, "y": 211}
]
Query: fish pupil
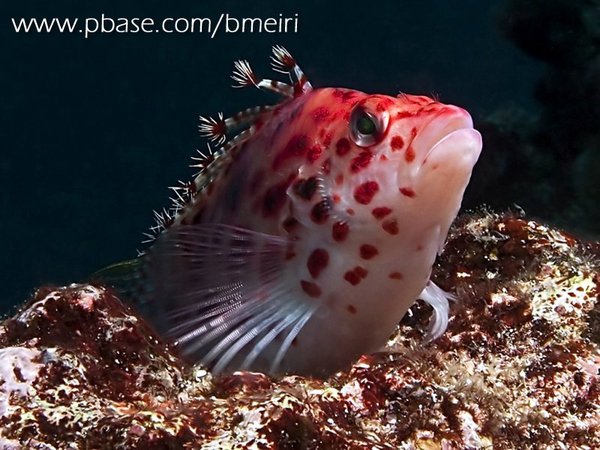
[{"x": 365, "y": 125}]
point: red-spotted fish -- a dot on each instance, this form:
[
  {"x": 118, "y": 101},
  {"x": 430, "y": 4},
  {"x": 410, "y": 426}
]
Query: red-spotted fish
[{"x": 306, "y": 237}]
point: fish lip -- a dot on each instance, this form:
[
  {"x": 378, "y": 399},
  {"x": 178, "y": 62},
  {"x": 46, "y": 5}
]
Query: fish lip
[
  {"x": 446, "y": 121},
  {"x": 443, "y": 139},
  {"x": 453, "y": 157},
  {"x": 449, "y": 120}
]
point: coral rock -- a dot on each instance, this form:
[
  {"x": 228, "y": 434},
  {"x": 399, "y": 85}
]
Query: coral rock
[{"x": 517, "y": 368}]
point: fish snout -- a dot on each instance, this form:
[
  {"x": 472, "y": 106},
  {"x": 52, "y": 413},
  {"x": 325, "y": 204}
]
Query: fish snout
[
  {"x": 446, "y": 121},
  {"x": 447, "y": 151}
]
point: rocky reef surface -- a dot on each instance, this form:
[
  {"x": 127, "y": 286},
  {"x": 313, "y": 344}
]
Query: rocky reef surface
[{"x": 518, "y": 367}]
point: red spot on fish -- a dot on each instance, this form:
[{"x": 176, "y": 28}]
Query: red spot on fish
[
  {"x": 342, "y": 147},
  {"x": 421, "y": 99},
  {"x": 384, "y": 104},
  {"x": 403, "y": 114},
  {"x": 317, "y": 261},
  {"x": 339, "y": 179},
  {"x": 361, "y": 161},
  {"x": 365, "y": 192},
  {"x": 381, "y": 212},
  {"x": 396, "y": 276},
  {"x": 320, "y": 212},
  {"x": 351, "y": 309},
  {"x": 408, "y": 192},
  {"x": 361, "y": 271},
  {"x": 289, "y": 224},
  {"x": 312, "y": 290},
  {"x": 348, "y": 95},
  {"x": 368, "y": 251},
  {"x": 386, "y": 100},
  {"x": 397, "y": 143},
  {"x": 336, "y": 198},
  {"x": 326, "y": 167},
  {"x": 433, "y": 107},
  {"x": 352, "y": 278},
  {"x": 275, "y": 197},
  {"x": 305, "y": 188},
  {"x": 350, "y": 211},
  {"x": 391, "y": 226},
  {"x": 344, "y": 95},
  {"x": 340, "y": 231},
  {"x": 327, "y": 139},
  {"x": 355, "y": 275},
  {"x": 419, "y": 247},
  {"x": 321, "y": 113},
  {"x": 409, "y": 156},
  {"x": 296, "y": 147},
  {"x": 314, "y": 153},
  {"x": 383, "y": 158}
]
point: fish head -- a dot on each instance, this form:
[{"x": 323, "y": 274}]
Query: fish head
[
  {"x": 390, "y": 164},
  {"x": 375, "y": 204}
]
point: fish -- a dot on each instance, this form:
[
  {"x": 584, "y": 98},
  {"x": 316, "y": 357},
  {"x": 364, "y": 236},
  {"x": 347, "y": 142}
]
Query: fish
[{"x": 310, "y": 229}]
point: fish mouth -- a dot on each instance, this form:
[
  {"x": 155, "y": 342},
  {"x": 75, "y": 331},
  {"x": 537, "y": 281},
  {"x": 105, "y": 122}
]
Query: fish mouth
[
  {"x": 446, "y": 159},
  {"x": 446, "y": 169},
  {"x": 461, "y": 145},
  {"x": 449, "y": 138}
]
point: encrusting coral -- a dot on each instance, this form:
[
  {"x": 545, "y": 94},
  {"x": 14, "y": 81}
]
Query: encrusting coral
[{"x": 518, "y": 367}]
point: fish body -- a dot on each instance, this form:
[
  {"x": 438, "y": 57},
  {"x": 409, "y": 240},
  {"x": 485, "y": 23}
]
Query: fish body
[{"x": 306, "y": 238}]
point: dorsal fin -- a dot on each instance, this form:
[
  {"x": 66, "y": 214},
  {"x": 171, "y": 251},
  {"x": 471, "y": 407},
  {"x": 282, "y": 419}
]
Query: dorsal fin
[
  {"x": 244, "y": 76},
  {"x": 228, "y": 133},
  {"x": 284, "y": 62}
]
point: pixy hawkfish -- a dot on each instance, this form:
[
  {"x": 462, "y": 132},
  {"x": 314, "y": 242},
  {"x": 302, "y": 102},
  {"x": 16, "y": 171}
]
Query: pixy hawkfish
[{"x": 310, "y": 229}]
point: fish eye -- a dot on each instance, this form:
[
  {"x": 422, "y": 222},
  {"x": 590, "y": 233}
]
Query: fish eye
[{"x": 367, "y": 128}]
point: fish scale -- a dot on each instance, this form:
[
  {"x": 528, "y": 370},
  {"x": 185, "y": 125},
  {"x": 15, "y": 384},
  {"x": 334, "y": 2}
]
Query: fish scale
[{"x": 306, "y": 237}]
